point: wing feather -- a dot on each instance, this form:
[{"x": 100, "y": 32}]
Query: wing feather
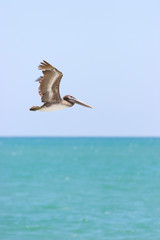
[{"x": 49, "y": 83}]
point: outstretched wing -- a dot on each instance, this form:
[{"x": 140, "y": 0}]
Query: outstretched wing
[{"x": 49, "y": 83}]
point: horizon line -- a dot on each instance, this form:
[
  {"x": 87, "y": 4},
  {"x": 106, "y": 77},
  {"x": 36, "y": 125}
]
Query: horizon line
[{"x": 27, "y": 136}]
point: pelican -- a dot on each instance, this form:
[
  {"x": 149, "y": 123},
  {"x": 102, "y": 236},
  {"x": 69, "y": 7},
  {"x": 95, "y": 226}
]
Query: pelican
[{"x": 49, "y": 90}]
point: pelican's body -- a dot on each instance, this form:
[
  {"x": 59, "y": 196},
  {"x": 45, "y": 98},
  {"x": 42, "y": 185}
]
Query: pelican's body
[
  {"x": 49, "y": 91},
  {"x": 54, "y": 106}
]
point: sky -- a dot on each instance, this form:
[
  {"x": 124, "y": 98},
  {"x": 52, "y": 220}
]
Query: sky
[{"x": 109, "y": 53}]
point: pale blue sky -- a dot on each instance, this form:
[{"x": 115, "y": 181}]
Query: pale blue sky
[{"x": 109, "y": 53}]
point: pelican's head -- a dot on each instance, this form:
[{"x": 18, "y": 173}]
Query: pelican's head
[{"x": 74, "y": 100}]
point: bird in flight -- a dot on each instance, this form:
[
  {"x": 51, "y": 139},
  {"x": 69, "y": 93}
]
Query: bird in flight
[{"x": 49, "y": 90}]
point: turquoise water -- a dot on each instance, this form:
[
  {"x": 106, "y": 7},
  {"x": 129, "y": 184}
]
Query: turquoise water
[{"x": 79, "y": 188}]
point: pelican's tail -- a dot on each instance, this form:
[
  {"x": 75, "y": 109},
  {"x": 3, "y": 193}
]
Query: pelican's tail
[{"x": 34, "y": 108}]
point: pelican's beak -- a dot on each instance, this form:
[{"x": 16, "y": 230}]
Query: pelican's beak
[{"x": 80, "y": 103}]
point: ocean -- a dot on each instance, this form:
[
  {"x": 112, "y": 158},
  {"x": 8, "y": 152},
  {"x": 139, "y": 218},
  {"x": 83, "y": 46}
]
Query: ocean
[{"x": 79, "y": 188}]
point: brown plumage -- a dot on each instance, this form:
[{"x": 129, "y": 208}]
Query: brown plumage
[{"x": 49, "y": 83}]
